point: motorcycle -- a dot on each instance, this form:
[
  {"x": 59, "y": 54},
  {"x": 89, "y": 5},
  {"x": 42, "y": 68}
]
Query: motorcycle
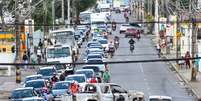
[
  {"x": 132, "y": 47},
  {"x": 116, "y": 44},
  {"x": 113, "y": 27},
  {"x": 111, "y": 52}
]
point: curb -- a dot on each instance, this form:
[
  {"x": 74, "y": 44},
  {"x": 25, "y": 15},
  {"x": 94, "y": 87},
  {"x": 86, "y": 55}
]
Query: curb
[
  {"x": 184, "y": 80},
  {"x": 181, "y": 77}
]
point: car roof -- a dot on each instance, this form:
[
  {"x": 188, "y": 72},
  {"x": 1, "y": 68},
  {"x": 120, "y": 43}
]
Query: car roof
[
  {"x": 90, "y": 66},
  {"x": 36, "y": 80},
  {"x": 36, "y": 75},
  {"x": 50, "y": 67},
  {"x": 76, "y": 75},
  {"x": 159, "y": 97},
  {"x": 93, "y": 54},
  {"x": 24, "y": 88},
  {"x": 84, "y": 70},
  {"x": 63, "y": 82}
]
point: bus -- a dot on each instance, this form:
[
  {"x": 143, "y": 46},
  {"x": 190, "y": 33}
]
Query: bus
[
  {"x": 85, "y": 17},
  {"x": 65, "y": 37}
]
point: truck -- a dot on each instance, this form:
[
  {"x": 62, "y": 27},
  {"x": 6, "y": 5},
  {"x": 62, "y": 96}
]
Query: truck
[
  {"x": 98, "y": 20},
  {"x": 65, "y": 48},
  {"x": 105, "y": 92}
]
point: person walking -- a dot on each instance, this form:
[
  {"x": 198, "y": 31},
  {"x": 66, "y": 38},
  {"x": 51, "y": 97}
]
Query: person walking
[
  {"x": 187, "y": 60},
  {"x": 25, "y": 59}
]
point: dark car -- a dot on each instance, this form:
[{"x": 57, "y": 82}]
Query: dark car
[
  {"x": 20, "y": 94},
  {"x": 47, "y": 72},
  {"x": 39, "y": 85}
]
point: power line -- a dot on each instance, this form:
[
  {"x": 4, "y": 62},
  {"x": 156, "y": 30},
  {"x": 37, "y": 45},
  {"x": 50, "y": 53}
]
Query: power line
[{"x": 110, "y": 62}]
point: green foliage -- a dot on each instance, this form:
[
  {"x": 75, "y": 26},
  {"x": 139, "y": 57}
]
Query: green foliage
[{"x": 82, "y": 5}]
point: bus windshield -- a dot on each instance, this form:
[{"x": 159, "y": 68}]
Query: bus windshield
[{"x": 58, "y": 52}]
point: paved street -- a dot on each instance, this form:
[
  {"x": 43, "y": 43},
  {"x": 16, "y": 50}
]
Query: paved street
[{"x": 152, "y": 78}]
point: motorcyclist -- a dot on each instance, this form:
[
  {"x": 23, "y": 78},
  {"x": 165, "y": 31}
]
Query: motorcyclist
[
  {"x": 111, "y": 48},
  {"x": 114, "y": 25},
  {"x": 131, "y": 41},
  {"x": 54, "y": 78}
]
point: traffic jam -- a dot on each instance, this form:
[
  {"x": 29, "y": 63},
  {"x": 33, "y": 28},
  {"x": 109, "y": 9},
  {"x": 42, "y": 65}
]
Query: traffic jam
[{"x": 92, "y": 44}]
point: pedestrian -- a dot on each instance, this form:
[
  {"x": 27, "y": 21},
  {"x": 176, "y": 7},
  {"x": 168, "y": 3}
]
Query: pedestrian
[
  {"x": 158, "y": 48},
  {"x": 25, "y": 59},
  {"x": 74, "y": 89},
  {"x": 197, "y": 61},
  {"x": 106, "y": 76},
  {"x": 187, "y": 60},
  {"x": 33, "y": 59}
]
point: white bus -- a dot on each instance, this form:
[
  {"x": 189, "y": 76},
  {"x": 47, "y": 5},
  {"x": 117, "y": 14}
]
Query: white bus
[
  {"x": 85, "y": 17},
  {"x": 65, "y": 37}
]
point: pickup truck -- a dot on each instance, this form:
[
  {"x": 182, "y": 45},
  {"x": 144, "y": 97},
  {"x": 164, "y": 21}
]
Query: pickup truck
[{"x": 105, "y": 92}]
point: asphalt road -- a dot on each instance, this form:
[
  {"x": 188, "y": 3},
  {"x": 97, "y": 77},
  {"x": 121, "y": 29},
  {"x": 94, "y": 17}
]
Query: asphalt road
[{"x": 154, "y": 78}]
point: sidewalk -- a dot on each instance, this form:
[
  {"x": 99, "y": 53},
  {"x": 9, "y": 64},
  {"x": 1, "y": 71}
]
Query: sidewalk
[{"x": 185, "y": 74}]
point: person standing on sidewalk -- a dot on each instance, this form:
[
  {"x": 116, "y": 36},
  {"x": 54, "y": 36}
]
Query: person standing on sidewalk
[
  {"x": 187, "y": 60},
  {"x": 25, "y": 59}
]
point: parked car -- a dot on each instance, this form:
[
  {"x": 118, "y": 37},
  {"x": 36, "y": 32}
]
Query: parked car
[
  {"x": 47, "y": 72},
  {"x": 60, "y": 88},
  {"x": 20, "y": 94},
  {"x": 131, "y": 32}
]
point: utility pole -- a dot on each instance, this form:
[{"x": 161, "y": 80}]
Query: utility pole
[
  {"x": 178, "y": 34},
  {"x": 17, "y": 34},
  {"x": 194, "y": 39},
  {"x": 45, "y": 27},
  {"x": 53, "y": 14},
  {"x": 156, "y": 24},
  {"x": 62, "y": 11},
  {"x": 68, "y": 1}
]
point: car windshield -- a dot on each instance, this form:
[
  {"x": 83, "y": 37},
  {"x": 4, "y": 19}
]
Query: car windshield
[
  {"x": 63, "y": 85},
  {"x": 96, "y": 69},
  {"x": 46, "y": 72},
  {"x": 33, "y": 78},
  {"x": 60, "y": 67},
  {"x": 94, "y": 61},
  {"x": 103, "y": 41},
  {"x": 58, "y": 52},
  {"x": 155, "y": 99},
  {"x": 79, "y": 79},
  {"x": 35, "y": 84},
  {"x": 88, "y": 74},
  {"x": 22, "y": 93}
]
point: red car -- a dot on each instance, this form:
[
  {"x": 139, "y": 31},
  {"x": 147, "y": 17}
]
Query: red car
[{"x": 131, "y": 32}]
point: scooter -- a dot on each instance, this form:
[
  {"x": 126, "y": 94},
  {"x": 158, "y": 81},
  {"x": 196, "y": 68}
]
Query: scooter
[{"x": 132, "y": 47}]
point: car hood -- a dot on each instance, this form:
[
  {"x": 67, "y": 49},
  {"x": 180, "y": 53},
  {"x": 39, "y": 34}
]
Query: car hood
[{"x": 101, "y": 66}]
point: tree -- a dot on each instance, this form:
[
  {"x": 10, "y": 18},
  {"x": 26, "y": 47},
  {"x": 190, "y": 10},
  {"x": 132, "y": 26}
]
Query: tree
[{"x": 82, "y": 5}]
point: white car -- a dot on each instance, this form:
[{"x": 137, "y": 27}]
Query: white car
[
  {"x": 159, "y": 98},
  {"x": 89, "y": 73},
  {"x": 97, "y": 62},
  {"x": 104, "y": 43},
  {"x": 124, "y": 27},
  {"x": 93, "y": 55},
  {"x": 80, "y": 78},
  {"x": 32, "y": 77}
]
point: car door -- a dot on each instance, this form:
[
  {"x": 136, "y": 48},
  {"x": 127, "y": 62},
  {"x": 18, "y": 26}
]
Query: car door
[
  {"x": 119, "y": 93},
  {"x": 106, "y": 94}
]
